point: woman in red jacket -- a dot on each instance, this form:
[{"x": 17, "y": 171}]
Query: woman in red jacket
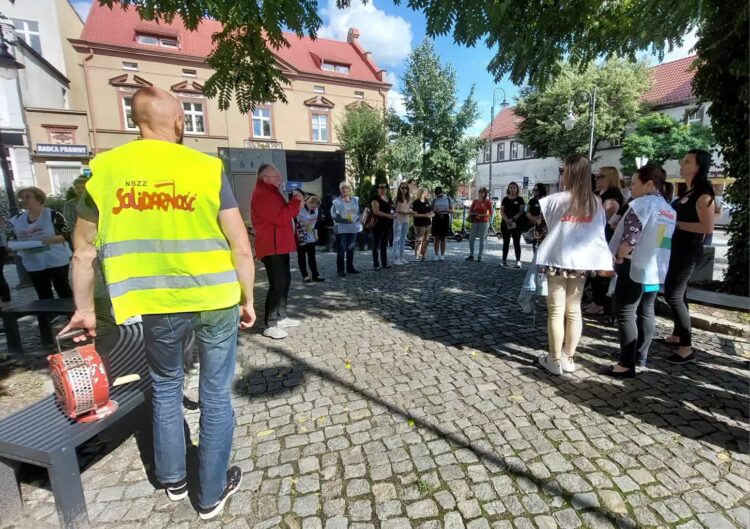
[{"x": 272, "y": 217}]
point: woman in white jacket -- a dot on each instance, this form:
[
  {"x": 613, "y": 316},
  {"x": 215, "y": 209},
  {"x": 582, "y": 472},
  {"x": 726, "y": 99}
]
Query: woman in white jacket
[
  {"x": 573, "y": 249},
  {"x": 641, "y": 249}
]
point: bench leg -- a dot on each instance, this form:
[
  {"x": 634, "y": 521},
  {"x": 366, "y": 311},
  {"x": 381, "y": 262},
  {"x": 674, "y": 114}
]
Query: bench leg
[
  {"x": 68, "y": 490},
  {"x": 11, "y": 504},
  {"x": 12, "y": 335},
  {"x": 45, "y": 328}
]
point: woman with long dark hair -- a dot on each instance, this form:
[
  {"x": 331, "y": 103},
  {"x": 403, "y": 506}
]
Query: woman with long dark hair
[
  {"x": 534, "y": 214},
  {"x": 641, "y": 249},
  {"x": 573, "y": 249},
  {"x": 511, "y": 210},
  {"x": 383, "y": 209},
  {"x": 695, "y": 220}
]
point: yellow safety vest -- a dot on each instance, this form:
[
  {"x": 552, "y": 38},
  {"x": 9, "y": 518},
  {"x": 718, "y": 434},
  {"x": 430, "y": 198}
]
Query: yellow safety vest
[{"x": 159, "y": 240}]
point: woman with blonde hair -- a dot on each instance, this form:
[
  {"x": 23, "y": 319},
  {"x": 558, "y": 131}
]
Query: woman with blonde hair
[
  {"x": 609, "y": 191},
  {"x": 573, "y": 249},
  {"x": 422, "y": 220}
]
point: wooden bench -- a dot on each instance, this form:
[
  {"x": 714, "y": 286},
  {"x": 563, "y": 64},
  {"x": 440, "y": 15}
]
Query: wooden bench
[
  {"x": 43, "y": 309},
  {"x": 42, "y": 435}
]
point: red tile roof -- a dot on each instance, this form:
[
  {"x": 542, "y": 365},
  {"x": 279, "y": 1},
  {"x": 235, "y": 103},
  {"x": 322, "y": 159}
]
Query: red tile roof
[
  {"x": 118, "y": 27},
  {"x": 672, "y": 82},
  {"x": 672, "y": 85}
]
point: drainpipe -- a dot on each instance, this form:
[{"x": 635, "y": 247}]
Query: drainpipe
[{"x": 88, "y": 100}]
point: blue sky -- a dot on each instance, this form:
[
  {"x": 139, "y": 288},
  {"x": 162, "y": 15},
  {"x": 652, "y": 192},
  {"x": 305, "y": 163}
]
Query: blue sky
[{"x": 390, "y": 32}]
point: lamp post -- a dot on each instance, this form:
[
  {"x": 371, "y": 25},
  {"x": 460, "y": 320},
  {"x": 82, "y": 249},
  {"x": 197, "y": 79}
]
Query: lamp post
[
  {"x": 570, "y": 120},
  {"x": 503, "y": 105},
  {"x": 8, "y": 69}
]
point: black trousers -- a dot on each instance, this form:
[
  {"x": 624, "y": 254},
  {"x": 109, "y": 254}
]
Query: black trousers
[
  {"x": 4, "y": 288},
  {"x": 635, "y": 317},
  {"x": 44, "y": 280},
  {"x": 687, "y": 250},
  {"x": 279, "y": 280},
  {"x": 380, "y": 246},
  {"x": 599, "y": 288},
  {"x": 305, "y": 256},
  {"x": 509, "y": 234}
]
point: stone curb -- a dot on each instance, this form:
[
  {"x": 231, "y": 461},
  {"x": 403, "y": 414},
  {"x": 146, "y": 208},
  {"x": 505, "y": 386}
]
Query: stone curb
[{"x": 707, "y": 323}]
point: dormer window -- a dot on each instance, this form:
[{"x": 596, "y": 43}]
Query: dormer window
[
  {"x": 153, "y": 40},
  {"x": 335, "y": 67}
]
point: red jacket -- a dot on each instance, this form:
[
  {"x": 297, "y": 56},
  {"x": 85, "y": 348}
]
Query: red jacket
[{"x": 272, "y": 219}]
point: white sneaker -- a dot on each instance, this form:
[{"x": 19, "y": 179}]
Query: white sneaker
[
  {"x": 567, "y": 364},
  {"x": 552, "y": 367},
  {"x": 288, "y": 322},
  {"x": 441, "y": 258},
  {"x": 275, "y": 332},
  {"x": 518, "y": 264}
]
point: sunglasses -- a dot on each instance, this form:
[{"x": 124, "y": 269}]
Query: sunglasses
[{"x": 382, "y": 187}]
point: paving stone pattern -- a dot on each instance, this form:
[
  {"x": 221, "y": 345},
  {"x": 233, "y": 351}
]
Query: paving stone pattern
[{"x": 410, "y": 399}]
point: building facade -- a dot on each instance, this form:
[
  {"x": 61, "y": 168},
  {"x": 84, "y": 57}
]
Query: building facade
[
  {"x": 50, "y": 94},
  {"x": 119, "y": 54},
  {"x": 511, "y": 161}
]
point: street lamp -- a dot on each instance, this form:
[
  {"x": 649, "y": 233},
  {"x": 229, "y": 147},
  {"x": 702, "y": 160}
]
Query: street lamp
[
  {"x": 503, "y": 105},
  {"x": 570, "y": 120},
  {"x": 9, "y": 66}
]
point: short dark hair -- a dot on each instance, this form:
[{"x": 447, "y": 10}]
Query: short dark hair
[
  {"x": 541, "y": 188},
  {"x": 438, "y": 190},
  {"x": 652, "y": 173},
  {"x": 263, "y": 167}
]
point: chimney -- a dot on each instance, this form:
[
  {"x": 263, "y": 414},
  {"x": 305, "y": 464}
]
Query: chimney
[{"x": 352, "y": 36}]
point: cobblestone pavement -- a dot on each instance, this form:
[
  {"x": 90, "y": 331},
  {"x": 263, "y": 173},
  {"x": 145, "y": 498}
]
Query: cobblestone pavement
[{"x": 409, "y": 398}]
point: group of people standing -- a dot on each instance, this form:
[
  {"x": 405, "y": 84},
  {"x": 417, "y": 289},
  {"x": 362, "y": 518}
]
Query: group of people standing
[{"x": 649, "y": 243}]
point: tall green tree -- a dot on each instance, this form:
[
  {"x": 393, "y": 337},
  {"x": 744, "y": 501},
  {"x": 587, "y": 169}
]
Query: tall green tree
[
  {"x": 660, "y": 138},
  {"x": 619, "y": 87},
  {"x": 433, "y": 115},
  {"x": 722, "y": 74},
  {"x": 363, "y": 136}
]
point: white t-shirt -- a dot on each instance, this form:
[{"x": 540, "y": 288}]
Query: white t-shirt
[
  {"x": 650, "y": 257},
  {"x": 572, "y": 243}
]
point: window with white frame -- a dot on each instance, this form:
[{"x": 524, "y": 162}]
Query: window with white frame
[
  {"x": 262, "y": 123},
  {"x": 527, "y": 152},
  {"x": 486, "y": 154},
  {"x": 501, "y": 151},
  {"x": 319, "y": 127},
  {"x": 194, "y": 121},
  {"x": 127, "y": 113},
  {"x": 514, "y": 150},
  {"x": 153, "y": 40},
  {"x": 333, "y": 67},
  {"x": 359, "y": 95},
  {"x": 694, "y": 116},
  {"x": 130, "y": 66},
  {"x": 28, "y": 30},
  {"x": 187, "y": 72},
  {"x": 318, "y": 89}
]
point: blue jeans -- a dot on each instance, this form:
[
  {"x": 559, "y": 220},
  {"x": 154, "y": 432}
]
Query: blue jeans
[
  {"x": 478, "y": 230},
  {"x": 345, "y": 248},
  {"x": 165, "y": 337},
  {"x": 400, "y": 230}
]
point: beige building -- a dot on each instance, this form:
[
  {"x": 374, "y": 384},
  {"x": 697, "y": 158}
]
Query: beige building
[{"x": 119, "y": 53}]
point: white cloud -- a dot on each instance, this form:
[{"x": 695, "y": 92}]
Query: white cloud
[
  {"x": 388, "y": 37},
  {"x": 82, "y": 7},
  {"x": 396, "y": 102},
  {"x": 477, "y": 128}
]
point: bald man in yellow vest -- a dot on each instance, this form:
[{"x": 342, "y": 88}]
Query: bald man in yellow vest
[{"x": 163, "y": 221}]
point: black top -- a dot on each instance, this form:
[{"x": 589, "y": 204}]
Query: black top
[
  {"x": 421, "y": 207},
  {"x": 612, "y": 193},
  {"x": 385, "y": 206},
  {"x": 687, "y": 206},
  {"x": 512, "y": 206},
  {"x": 534, "y": 208}
]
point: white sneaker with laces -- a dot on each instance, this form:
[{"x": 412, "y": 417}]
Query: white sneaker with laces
[
  {"x": 288, "y": 322},
  {"x": 567, "y": 364},
  {"x": 552, "y": 367},
  {"x": 275, "y": 332}
]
